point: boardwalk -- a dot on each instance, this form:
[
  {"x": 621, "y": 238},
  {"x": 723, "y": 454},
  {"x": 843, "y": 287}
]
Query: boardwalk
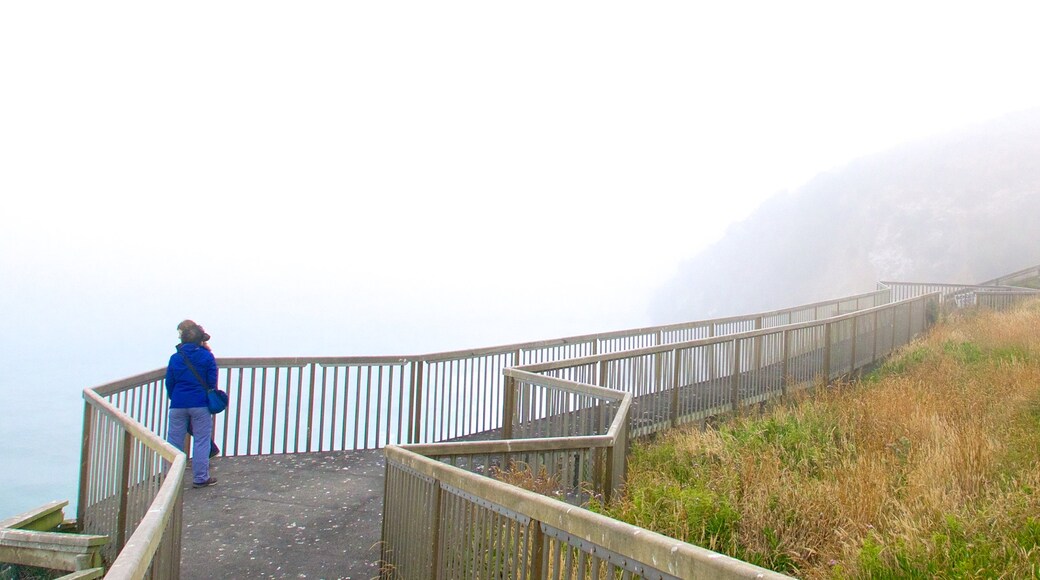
[
  {"x": 319, "y": 515},
  {"x": 286, "y": 516}
]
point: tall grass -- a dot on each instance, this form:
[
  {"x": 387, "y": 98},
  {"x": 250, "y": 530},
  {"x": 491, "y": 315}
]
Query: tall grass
[{"x": 929, "y": 467}]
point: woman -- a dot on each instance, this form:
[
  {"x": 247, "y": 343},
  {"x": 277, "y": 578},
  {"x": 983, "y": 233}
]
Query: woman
[{"x": 188, "y": 408}]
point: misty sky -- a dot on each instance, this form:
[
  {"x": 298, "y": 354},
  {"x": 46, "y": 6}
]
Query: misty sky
[
  {"x": 404, "y": 177},
  {"x": 443, "y": 166}
]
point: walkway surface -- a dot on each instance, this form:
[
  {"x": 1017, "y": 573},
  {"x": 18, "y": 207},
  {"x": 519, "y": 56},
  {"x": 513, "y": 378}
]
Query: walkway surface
[{"x": 315, "y": 515}]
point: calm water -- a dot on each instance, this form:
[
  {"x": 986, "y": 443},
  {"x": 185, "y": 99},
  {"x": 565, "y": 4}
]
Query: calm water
[
  {"x": 39, "y": 445},
  {"x": 41, "y": 415}
]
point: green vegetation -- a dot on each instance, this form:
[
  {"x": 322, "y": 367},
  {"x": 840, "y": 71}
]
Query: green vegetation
[
  {"x": 930, "y": 468},
  {"x": 16, "y": 572}
]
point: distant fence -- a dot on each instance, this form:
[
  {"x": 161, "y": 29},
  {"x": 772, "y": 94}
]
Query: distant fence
[
  {"x": 961, "y": 295},
  {"x": 1026, "y": 277},
  {"x": 1002, "y": 300},
  {"x": 563, "y": 407}
]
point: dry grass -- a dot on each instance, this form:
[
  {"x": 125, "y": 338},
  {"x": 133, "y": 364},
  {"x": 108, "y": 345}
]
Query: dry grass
[
  {"x": 928, "y": 468},
  {"x": 521, "y": 475}
]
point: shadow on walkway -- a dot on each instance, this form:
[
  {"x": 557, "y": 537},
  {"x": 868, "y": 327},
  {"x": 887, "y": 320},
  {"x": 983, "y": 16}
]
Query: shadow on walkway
[{"x": 316, "y": 515}]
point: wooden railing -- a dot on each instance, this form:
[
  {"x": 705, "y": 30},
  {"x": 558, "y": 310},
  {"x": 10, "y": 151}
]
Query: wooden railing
[
  {"x": 681, "y": 382},
  {"x": 998, "y": 300},
  {"x": 961, "y": 295},
  {"x": 664, "y": 386},
  {"x": 130, "y": 491},
  {"x": 1027, "y": 276},
  {"x": 307, "y": 404},
  {"x": 489, "y": 410},
  {"x": 446, "y": 522}
]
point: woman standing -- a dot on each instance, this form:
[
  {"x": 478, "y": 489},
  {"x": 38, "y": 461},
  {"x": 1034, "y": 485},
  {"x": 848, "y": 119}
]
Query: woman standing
[{"x": 192, "y": 370}]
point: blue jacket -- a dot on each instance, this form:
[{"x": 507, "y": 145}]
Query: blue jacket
[{"x": 182, "y": 387}]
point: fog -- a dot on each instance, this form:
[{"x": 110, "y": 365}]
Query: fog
[
  {"x": 957, "y": 207},
  {"x": 402, "y": 178}
]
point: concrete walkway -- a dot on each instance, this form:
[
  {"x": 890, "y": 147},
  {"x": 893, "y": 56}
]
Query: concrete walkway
[{"x": 314, "y": 516}]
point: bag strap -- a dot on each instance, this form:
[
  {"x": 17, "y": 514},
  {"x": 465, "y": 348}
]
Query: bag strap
[{"x": 195, "y": 372}]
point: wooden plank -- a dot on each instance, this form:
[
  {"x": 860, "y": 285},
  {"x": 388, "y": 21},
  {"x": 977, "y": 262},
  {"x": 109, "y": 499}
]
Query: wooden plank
[
  {"x": 53, "y": 550},
  {"x": 84, "y": 574},
  {"x": 39, "y": 519}
]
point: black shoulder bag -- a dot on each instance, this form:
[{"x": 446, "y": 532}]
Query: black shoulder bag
[{"x": 216, "y": 399}]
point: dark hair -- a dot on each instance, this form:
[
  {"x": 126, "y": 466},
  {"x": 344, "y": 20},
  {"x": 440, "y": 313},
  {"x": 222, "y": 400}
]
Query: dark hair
[{"x": 189, "y": 331}]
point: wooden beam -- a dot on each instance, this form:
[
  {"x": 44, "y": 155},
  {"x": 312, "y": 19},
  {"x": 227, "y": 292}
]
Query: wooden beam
[
  {"x": 90, "y": 574},
  {"x": 57, "y": 551},
  {"x": 41, "y": 519}
]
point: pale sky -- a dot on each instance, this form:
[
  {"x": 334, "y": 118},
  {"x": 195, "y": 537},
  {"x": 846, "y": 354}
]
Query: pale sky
[{"x": 485, "y": 171}]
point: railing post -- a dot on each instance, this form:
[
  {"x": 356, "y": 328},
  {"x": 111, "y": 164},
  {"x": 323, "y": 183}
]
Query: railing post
[
  {"x": 619, "y": 458},
  {"x": 892, "y": 347},
  {"x": 600, "y": 469},
  {"x": 123, "y": 488},
  {"x": 877, "y": 333},
  {"x": 311, "y": 369},
  {"x": 676, "y": 377},
  {"x": 84, "y": 464},
  {"x": 711, "y": 353},
  {"x": 910, "y": 322},
  {"x": 735, "y": 379},
  {"x": 608, "y": 473},
  {"x": 784, "y": 364},
  {"x": 539, "y": 558},
  {"x": 508, "y": 406},
  {"x": 385, "y": 553},
  {"x": 758, "y": 345},
  {"x": 435, "y": 531},
  {"x": 299, "y": 409},
  {"x": 512, "y": 408},
  {"x": 615, "y": 465},
  {"x": 176, "y": 532},
  {"x": 659, "y": 371},
  {"x": 855, "y": 339},
  {"x": 827, "y": 352},
  {"x": 415, "y": 436}
]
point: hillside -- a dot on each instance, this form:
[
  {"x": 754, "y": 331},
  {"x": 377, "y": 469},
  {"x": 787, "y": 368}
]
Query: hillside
[
  {"x": 960, "y": 207},
  {"x": 926, "y": 469}
]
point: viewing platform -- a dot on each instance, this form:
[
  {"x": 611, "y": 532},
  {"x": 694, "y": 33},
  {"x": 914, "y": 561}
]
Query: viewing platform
[{"x": 314, "y": 515}]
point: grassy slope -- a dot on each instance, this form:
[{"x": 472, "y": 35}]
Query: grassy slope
[{"x": 928, "y": 468}]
